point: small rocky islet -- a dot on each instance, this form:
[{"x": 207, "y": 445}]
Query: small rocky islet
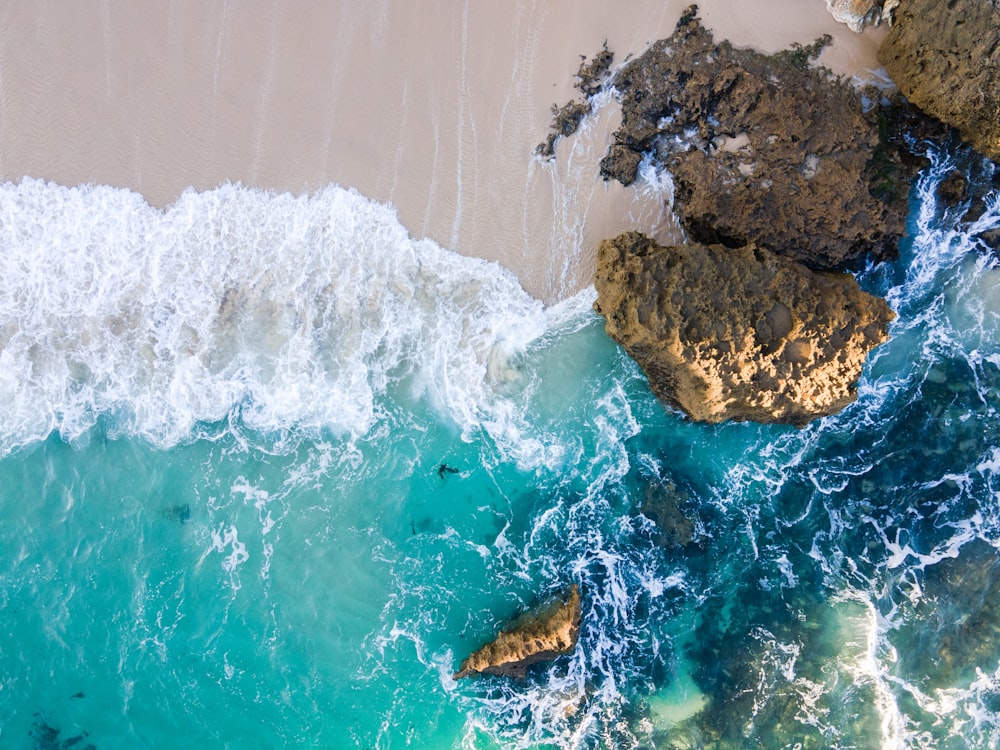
[
  {"x": 784, "y": 182},
  {"x": 539, "y": 634}
]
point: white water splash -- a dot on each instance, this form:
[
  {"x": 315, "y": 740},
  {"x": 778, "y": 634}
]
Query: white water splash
[{"x": 293, "y": 313}]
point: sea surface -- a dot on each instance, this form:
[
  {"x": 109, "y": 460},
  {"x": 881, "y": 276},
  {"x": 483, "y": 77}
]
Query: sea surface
[{"x": 270, "y": 468}]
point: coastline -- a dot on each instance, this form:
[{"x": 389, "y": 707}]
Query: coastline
[
  {"x": 274, "y": 465},
  {"x": 434, "y": 111}
]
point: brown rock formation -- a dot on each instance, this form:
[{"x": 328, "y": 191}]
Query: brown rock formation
[
  {"x": 945, "y": 58},
  {"x": 762, "y": 149},
  {"x": 541, "y": 634},
  {"x": 590, "y": 79},
  {"x": 738, "y": 334}
]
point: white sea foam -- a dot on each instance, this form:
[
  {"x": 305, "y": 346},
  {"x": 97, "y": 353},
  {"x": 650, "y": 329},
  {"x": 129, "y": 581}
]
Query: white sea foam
[
  {"x": 947, "y": 290},
  {"x": 293, "y": 313},
  {"x": 581, "y": 702}
]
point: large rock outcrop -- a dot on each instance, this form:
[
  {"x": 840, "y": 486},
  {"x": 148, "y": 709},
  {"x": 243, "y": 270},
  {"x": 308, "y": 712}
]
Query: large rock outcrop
[
  {"x": 945, "y": 58},
  {"x": 739, "y": 334},
  {"x": 763, "y": 149},
  {"x": 539, "y": 635}
]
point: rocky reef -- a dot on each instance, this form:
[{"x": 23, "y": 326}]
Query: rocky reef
[
  {"x": 742, "y": 334},
  {"x": 945, "y": 58},
  {"x": 775, "y": 159},
  {"x": 538, "y": 635},
  {"x": 670, "y": 510},
  {"x": 762, "y": 149}
]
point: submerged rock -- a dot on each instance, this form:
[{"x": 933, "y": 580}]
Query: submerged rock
[
  {"x": 771, "y": 660},
  {"x": 740, "y": 334},
  {"x": 180, "y": 513},
  {"x": 945, "y": 58},
  {"x": 43, "y": 736},
  {"x": 955, "y": 627},
  {"x": 538, "y": 635},
  {"x": 667, "y": 507},
  {"x": 763, "y": 149}
]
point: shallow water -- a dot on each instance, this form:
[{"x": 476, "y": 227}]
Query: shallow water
[{"x": 271, "y": 469}]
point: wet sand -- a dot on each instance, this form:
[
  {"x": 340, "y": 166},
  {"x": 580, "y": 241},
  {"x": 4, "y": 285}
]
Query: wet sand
[{"x": 434, "y": 107}]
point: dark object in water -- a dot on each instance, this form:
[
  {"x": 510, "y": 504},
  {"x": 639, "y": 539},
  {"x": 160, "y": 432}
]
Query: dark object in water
[
  {"x": 446, "y": 469},
  {"x": 179, "y": 513},
  {"x": 46, "y": 737}
]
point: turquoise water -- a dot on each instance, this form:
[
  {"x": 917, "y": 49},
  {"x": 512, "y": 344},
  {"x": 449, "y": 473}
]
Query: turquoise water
[{"x": 271, "y": 469}]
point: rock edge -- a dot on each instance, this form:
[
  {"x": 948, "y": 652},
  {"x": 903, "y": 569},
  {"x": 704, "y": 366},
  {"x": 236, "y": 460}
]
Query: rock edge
[
  {"x": 740, "y": 334},
  {"x": 541, "y": 634}
]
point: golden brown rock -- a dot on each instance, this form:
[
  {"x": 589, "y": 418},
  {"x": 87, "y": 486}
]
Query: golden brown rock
[
  {"x": 541, "y": 634},
  {"x": 738, "y": 334}
]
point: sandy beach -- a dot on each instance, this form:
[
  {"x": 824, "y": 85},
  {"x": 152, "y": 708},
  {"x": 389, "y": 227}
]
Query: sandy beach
[{"x": 435, "y": 108}]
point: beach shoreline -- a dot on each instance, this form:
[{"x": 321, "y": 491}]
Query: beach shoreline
[{"x": 436, "y": 111}]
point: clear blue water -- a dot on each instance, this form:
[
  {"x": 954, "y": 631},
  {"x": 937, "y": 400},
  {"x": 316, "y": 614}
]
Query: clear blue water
[{"x": 224, "y": 520}]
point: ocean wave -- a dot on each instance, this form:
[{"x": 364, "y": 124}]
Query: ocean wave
[{"x": 283, "y": 313}]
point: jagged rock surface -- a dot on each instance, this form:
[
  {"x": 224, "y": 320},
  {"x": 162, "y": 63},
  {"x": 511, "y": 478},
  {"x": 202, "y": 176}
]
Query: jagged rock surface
[
  {"x": 539, "y": 635},
  {"x": 945, "y": 58},
  {"x": 590, "y": 79},
  {"x": 762, "y": 149},
  {"x": 740, "y": 334}
]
